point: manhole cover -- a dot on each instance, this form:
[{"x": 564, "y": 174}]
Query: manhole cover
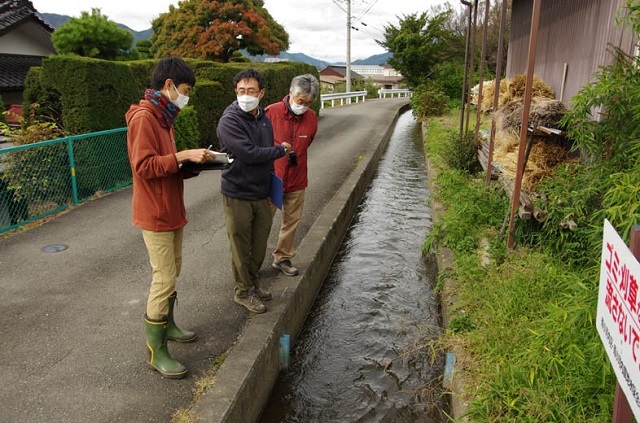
[{"x": 54, "y": 248}]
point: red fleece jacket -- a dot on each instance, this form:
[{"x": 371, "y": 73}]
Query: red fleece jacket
[
  {"x": 297, "y": 130},
  {"x": 158, "y": 188}
]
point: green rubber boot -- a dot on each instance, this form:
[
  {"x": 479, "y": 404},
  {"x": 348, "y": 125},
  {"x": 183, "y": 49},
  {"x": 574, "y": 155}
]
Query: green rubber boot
[
  {"x": 159, "y": 358},
  {"x": 174, "y": 333}
]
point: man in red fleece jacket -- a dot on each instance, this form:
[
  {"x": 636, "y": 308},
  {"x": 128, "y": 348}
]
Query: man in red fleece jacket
[
  {"x": 294, "y": 123},
  {"x": 158, "y": 203}
]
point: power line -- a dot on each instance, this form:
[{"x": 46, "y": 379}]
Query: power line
[
  {"x": 367, "y": 11},
  {"x": 375, "y": 28},
  {"x": 339, "y": 5}
]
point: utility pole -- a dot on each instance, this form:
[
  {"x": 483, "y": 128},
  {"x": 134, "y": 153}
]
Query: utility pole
[{"x": 348, "y": 73}]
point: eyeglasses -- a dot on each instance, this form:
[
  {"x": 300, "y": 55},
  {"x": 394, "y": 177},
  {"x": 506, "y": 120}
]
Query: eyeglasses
[{"x": 251, "y": 91}]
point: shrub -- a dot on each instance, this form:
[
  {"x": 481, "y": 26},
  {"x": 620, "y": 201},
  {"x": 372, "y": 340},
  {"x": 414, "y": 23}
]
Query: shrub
[
  {"x": 41, "y": 102},
  {"x": 186, "y": 128},
  {"x": 3, "y": 117},
  {"x": 461, "y": 153},
  {"x": 40, "y": 175},
  {"x": 429, "y": 100},
  {"x": 449, "y": 75}
]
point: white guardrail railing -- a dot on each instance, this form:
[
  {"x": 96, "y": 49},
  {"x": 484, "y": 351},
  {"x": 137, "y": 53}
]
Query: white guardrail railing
[
  {"x": 343, "y": 97},
  {"x": 400, "y": 92}
]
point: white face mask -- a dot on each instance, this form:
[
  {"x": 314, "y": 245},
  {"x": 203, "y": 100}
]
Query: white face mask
[
  {"x": 247, "y": 102},
  {"x": 298, "y": 109},
  {"x": 182, "y": 99}
]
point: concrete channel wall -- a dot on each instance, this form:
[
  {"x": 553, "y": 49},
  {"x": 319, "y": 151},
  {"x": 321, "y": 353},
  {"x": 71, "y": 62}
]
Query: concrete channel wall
[{"x": 243, "y": 383}]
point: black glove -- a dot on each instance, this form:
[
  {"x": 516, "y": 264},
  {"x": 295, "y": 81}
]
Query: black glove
[{"x": 293, "y": 158}]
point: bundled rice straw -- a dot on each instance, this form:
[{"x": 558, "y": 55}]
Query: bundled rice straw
[
  {"x": 544, "y": 111},
  {"x": 511, "y": 90},
  {"x": 488, "y": 89},
  {"x": 517, "y": 86},
  {"x": 542, "y": 159}
]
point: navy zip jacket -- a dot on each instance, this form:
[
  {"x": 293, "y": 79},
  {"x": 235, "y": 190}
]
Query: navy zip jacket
[{"x": 248, "y": 139}]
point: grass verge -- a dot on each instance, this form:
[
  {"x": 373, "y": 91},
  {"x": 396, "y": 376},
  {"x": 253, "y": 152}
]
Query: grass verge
[{"x": 523, "y": 321}]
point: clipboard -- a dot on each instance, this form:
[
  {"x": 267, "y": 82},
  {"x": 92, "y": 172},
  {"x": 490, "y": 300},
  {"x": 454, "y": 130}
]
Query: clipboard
[
  {"x": 219, "y": 161},
  {"x": 276, "y": 191},
  {"x": 198, "y": 167}
]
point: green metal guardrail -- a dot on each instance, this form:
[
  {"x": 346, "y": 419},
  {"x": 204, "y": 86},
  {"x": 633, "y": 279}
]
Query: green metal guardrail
[{"x": 43, "y": 178}]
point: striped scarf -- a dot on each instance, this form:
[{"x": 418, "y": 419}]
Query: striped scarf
[{"x": 167, "y": 109}]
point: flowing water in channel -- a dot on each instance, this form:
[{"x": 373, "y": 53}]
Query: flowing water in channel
[{"x": 364, "y": 353}]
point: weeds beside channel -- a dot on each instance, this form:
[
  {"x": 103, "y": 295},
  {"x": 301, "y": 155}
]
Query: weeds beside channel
[{"x": 523, "y": 321}]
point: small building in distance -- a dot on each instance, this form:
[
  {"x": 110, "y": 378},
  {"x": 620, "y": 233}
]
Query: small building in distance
[
  {"x": 25, "y": 39},
  {"x": 383, "y": 76},
  {"x": 334, "y": 75}
]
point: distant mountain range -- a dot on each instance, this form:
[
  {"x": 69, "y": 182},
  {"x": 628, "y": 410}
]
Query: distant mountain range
[
  {"x": 378, "y": 59},
  {"x": 56, "y": 20}
]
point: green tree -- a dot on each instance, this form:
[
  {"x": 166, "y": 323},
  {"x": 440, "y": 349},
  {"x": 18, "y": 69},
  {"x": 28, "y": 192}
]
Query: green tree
[
  {"x": 144, "y": 49},
  {"x": 92, "y": 35},
  {"x": 419, "y": 43},
  {"x": 238, "y": 57},
  {"x": 213, "y": 30}
]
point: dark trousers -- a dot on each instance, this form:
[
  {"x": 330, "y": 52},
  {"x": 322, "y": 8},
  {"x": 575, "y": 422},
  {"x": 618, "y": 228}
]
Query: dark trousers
[{"x": 248, "y": 227}]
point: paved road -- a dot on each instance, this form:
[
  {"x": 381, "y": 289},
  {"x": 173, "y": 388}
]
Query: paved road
[{"x": 72, "y": 335}]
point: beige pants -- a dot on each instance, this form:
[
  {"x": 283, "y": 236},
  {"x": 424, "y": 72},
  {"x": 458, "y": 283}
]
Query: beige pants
[
  {"x": 165, "y": 256},
  {"x": 292, "y": 205}
]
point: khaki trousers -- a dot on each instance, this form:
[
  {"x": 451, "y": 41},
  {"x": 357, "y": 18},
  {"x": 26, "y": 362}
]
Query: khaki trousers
[
  {"x": 248, "y": 227},
  {"x": 292, "y": 205},
  {"x": 165, "y": 256}
]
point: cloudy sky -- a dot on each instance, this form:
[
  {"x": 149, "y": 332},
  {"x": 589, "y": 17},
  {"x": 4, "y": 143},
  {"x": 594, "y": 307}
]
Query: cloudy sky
[{"x": 316, "y": 28}]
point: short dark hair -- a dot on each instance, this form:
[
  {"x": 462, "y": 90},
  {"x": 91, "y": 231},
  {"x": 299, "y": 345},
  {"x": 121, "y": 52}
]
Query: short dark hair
[
  {"x": 173, "y": 68},
  {"x": 249, "y": 73}
]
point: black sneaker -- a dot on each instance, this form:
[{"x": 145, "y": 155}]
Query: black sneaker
[{"x": 286, "y": 267}]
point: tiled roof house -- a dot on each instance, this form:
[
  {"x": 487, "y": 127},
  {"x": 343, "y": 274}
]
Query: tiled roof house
[
  {"x": 25, "y": 39},
  {"x": 333, "y": 74}
]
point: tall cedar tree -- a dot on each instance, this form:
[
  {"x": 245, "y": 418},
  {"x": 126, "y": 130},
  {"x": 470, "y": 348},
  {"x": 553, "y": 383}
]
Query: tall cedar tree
[
  {"x": 213, "y": 30},
  {"x": 92, "y": 35},
  {"x": 418, "y": 44}
]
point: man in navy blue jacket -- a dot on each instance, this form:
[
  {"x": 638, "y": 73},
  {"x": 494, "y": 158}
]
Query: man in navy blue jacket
[{"x": 245, "y": 133}]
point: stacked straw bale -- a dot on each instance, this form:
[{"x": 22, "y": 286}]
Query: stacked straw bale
[{"x": 544, "y": 111}]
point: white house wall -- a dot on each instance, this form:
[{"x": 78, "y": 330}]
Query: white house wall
[{"x": 28, "y": 39}]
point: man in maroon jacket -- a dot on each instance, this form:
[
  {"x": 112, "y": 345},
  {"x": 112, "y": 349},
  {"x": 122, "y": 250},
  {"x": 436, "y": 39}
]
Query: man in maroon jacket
[{"x": 294, "y": 123}]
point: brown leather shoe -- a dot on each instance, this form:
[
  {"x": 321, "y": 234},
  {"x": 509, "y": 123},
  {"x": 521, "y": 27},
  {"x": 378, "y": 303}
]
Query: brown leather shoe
[
  {"x": 263, "y": 294},
  {"x": 286, "y": 267},
  {"x": 251, "y": 303}
]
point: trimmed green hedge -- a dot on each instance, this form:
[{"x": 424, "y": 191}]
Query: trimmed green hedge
[
  {"x": 209, "y": 99},
  {"x": 88, "y": 95},
  {"x": 94, "y": 94},
  {"x": 186, "y": 127}
]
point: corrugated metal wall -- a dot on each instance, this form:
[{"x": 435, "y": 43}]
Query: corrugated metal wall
[{"x": 576, "y": 32}]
